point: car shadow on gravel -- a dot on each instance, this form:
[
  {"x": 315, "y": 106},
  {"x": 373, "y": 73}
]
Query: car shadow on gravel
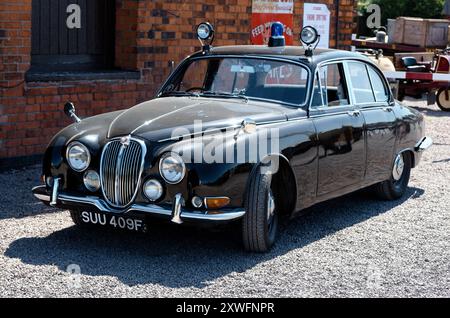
[
  {"x": 178, "y": 257},
  {"x": 431, "y": 112},
  {"x": 17, "y": 201}
]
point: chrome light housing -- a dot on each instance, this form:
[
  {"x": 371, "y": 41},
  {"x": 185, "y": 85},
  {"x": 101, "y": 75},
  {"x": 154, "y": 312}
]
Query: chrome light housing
[
  {"x": 205, "y": 34},
  {"x": 91, "y": 180},
  {"x": 78, "y": 156},
  {"x": 205, "y": 31},
  {"x": 309, "y": 35},
  {"x": 172, "y": 168},
  {"x": 153, "y": 190}
]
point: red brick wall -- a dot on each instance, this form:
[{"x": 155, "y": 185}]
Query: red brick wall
[{"x": 148, "y": 35}]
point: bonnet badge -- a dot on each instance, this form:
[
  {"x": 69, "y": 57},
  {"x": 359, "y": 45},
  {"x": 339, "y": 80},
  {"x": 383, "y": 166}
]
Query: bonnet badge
[{"x": 125, "y": 141}]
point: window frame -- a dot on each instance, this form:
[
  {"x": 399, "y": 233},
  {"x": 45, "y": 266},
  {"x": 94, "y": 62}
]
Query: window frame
[
  {"x": 386, "y": 87},
  {"x": 317, "y": 76},
  {"x": 353, "y": 105},
  {"x": 389, "y": 100}
]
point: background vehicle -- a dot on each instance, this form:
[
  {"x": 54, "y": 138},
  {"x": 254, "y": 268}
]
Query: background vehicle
[{"x": 423, "y": 78}]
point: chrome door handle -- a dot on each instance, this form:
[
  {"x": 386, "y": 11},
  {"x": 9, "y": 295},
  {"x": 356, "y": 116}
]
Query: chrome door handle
[
  {"x": 355, "y": 113},
  {"x": 388, "y": 109}
]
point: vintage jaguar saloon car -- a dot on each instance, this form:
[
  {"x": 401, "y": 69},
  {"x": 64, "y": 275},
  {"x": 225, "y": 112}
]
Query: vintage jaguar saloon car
[{"x": 247, "y": 134}]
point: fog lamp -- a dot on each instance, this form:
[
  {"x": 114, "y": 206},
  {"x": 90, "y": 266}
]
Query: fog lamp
[
  {"x": 92, "y": 181},
  {"x": 153, "y": 190}
]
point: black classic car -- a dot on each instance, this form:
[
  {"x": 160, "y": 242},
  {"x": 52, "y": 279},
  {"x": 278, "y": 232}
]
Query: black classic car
[{"x": 242, "y": 134}]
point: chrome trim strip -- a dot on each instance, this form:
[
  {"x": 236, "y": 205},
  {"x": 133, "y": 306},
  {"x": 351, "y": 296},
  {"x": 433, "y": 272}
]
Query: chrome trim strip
[{"x": 218, "y": 216}]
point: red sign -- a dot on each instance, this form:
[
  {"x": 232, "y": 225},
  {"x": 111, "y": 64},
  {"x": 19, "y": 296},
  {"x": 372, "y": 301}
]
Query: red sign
[{"x": 266, "y": 12}]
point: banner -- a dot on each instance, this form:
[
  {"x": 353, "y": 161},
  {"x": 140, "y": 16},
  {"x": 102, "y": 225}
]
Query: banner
[
  {"x": 266, "y": 12},
  {"x": 318, "y": 16}
]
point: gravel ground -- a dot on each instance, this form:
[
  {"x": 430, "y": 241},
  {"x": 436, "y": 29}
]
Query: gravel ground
[{"x": 350, "y": 247}]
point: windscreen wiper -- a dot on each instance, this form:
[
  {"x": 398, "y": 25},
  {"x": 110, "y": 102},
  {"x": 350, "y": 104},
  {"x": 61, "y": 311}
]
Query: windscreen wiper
[
  {"x": 225, "y": 95},
  {"x": 178, "y": 93}
]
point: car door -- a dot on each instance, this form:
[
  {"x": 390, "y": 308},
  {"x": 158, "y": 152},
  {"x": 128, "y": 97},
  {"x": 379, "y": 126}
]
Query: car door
[
  {"x": 340, "y": 132},
  {"x": 372, "y": 95}
]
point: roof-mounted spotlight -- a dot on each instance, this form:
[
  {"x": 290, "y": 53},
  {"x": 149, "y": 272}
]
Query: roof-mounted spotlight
[
  {"x": 205, "y": 33},
  {"x": 309, "y": 36},
  {"x": 277, "y": 35}
]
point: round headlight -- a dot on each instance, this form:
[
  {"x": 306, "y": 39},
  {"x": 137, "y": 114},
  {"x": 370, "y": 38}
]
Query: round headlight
[
  {"x": 309, "y": 35},
  {"x": 153, "y": 190},
  {"x": 92, "y": 181},
  {"x": 172, "y": 168},
  {"x": 78, "y": 156},
  {"x": 205, "y": 31}
]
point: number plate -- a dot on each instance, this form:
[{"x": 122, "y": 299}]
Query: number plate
[{"x": 134, "y": 224}]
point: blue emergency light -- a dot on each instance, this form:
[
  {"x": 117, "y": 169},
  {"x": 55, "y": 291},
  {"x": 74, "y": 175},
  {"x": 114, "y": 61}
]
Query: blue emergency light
[{"x": 277, "y": 35}]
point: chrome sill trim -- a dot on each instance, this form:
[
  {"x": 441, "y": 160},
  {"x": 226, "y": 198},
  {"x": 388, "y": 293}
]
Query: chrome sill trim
[{"x": 151, "y": 208}]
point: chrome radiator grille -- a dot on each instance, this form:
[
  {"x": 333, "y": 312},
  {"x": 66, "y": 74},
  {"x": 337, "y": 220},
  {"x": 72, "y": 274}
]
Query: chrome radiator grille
[{"x": 121, "y": 167}]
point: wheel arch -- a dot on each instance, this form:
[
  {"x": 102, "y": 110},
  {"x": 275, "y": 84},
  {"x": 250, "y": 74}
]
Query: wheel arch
[{"x": 285, "y": 178}]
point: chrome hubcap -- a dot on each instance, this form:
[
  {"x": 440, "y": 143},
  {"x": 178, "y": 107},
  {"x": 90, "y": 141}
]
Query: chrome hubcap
[
  {"x": 270, "y": 207},
  {"x": 399, "y": 166}
]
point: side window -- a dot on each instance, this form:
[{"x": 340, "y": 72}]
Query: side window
[
  {"x": 361, "y": 83},
  {"x": 331, "y": 88},
  {"x": 379, "y": 87}
]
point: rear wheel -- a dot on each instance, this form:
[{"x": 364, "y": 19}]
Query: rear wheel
[
  {"x": 396, "y": 186},
  {"x": 443, "y": 99},
  {"x": 260, "y": 223}
]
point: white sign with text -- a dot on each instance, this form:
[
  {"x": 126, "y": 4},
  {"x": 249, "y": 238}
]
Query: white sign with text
[{"x": 318, "y": 16}]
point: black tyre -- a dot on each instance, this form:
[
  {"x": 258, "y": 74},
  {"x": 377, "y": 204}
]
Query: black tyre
[
  {"x": 260, "y": 223},
  {"x": 442, "y": 101},
  {"x": 400, "y": 93},
  {"x": 76, "y": 218},
  {"x": 396, "y": 186}
]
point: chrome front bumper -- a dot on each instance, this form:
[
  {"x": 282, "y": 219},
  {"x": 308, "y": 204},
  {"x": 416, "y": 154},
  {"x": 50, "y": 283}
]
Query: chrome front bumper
[{"x": 177, "y": 213}]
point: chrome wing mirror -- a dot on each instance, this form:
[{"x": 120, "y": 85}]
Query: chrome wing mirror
[{"x": 69, "y": 110}]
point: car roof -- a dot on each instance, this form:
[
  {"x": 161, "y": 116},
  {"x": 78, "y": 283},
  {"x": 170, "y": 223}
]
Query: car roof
[{"x": 289, "y": 52}]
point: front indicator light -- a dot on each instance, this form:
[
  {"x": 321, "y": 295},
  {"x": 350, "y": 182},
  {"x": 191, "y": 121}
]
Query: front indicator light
[{"x": 216, "y": 203}]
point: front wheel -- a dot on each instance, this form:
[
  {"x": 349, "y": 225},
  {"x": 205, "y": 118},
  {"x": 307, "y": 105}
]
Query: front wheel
[
  {"x": 443, "y": 99},
  {"x": 77, "y": 219},
  {"x": 396, "y": 186},
  {"x": 260, "y": 223}
]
